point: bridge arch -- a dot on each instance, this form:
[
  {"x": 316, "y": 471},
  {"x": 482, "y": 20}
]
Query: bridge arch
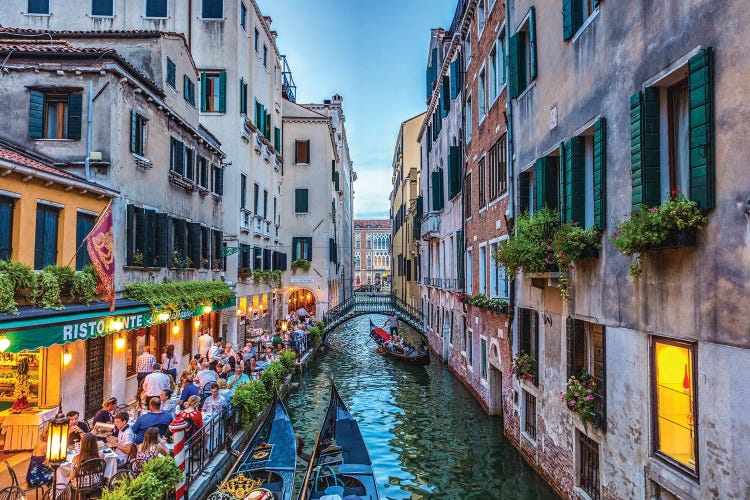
[{"x": 362, "y": 303}]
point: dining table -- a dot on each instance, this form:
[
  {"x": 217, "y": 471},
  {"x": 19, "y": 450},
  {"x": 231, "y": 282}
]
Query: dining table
[
  {"x": 110, "y": 461},
  {"x": 22, "y": 430}
]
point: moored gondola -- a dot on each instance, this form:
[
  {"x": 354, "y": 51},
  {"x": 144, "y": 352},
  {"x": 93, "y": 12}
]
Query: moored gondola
[
  {"x": 265, "y": 469},
  {"x": 381, "y": 338},
  {"x": 340, "y": 464}
]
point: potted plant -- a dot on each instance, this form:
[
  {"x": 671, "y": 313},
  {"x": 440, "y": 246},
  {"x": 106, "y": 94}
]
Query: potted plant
[
  {"x": 65, "y": 276},
  {"x": 137, "y": 258},
  {"x": 46, "y": 291},
  {"x": 672, "y": 224},
  {"x": 204, "y": 263},
  {"x": 571, "y": 243},
  {"x": 579, "y": 395},
  {"x": 303, "y": 264},
  {"x": 84, "y": 287},
  {"x": 7, "y": 295},
  {"x": 523, "y": 365},
  {"x": 530, "y": 248},
  {"x": 180, "y": 262},
  {"x": 22, "y": 278},
  {"x": 245, "y": 273}
]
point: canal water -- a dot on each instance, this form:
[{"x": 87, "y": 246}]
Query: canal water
[{"x": 427, "y": 436}]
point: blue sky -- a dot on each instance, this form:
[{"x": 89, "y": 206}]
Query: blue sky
[{"x": 374, "y": 54}]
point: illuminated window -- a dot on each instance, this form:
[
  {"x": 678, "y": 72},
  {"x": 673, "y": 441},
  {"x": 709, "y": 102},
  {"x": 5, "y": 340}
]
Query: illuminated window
[{"x": 675, "y": 405}]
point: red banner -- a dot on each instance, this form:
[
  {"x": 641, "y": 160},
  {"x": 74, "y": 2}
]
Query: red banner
[{"x": 100, "y": 245}]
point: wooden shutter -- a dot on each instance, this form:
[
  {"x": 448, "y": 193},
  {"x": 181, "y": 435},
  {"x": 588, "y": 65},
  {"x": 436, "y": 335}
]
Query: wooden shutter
[
  {"x": 532, "y": 43},
  {"x": 702, "y": 174},
  {"x": 569, "y": 343},
  {"x": 644, "y": 149},
  {"x": 140, "y": 231},
  {"x": 636, "y": 151},
  {"x": 129, "y": 240},
  {"x": 516, "y": 67},
  {"x": 600, "y": 377},
  {"x": 186, "y": 87},
  {"x": 534, "y": 320},
  {"x": 180, "y": 236},
  {"x": 223, "y": 92},
  {"x": 194, "y": 235},
  {"x": 277, "y": 139},
  {"x": 36, "y": 114},
  {"x": 204, "y": 91},
  {"x": 545, "y": 183},
  {"x": 75, "y": 110},
  {"x": 84, "y": 223},
  {"x": 600, "y": 174},
  {"x": 428, "y": 81},
  {"x": 523, "y": 192},
  {"x": 133, "y": 131},
  {"x": 562, "y": 197},
  {"x": 524, "y": 335},
  {"x": 454, "y": 69},
  {"x": 301, "y": 200},
  {"x": 445, "y": 95},
  {"x": 171, "y": 72},
  {"x": 459, "y": 259},
  {"x": 149, "y": 250},
  {"x": 309, "y": 247},
  {"x": 7, "y": 206},
  {"x": 219, "y": 188},
  {"x": 437, "y": 190},
  {"x": 454, "y": 170},
  {"x": 162, "y": 240},
  {"x": 572, "y": 13},
  {"x": 575, "y": 183}
]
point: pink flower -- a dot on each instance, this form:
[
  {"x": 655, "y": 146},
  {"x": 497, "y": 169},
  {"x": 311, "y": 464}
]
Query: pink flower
[
  {"x": 576, "y": 394},
  {"x": 588, "y": 398},
  {"x": 589, "y": 391},
  {"x": 653, "y": 210},
  {"x": 571, "y": 266},
  {"x": 571, "y": 404},
  {"x": 549, "y": 248},
  {"x": 546, "y": 260}
]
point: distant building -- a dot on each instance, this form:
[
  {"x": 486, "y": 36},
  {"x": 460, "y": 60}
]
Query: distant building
[{"x": 372, "y": 253}]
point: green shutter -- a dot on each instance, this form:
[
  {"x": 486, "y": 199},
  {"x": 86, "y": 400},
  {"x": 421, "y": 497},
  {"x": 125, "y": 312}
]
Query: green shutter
[
  {"x": 572, "y": 17},
  {"x": 204, "y": 90},
  {"x": 162, "y": 240},
  {"x": 75, "y": 111},
  {"x": 243, "y": 102},
  {"x": 702, "y": 173},
  {"x": 516, "y": 68},
  {"x": 460, "y": 258},
  {"x": 454, "y": 78},
  {"x": 545, "y": 183},
  {"x": 133, "y": 131},
  {"x": 454, "y": 171},
  {"x": 445, "y": 95},
  {"x": 301, "y": 200},
  {"x": 644, "y": 149},
  {"x": 140, "y": 230},
  {"x": 523, "y": 192},
  {"x": 600, "y": 174},
  {"x": 575, "y": 187},
  {"x": 562, "y": 198},
  {"x": 130, "y": 231},
  {"x": 532, "y": 43},
  {"x": 36, "y": 114},
  {"x": 223, "y": 92},
  {"x": 539, "y": 183},
  {"x": 186, "y": 87},
  {"x": 437, "y": 190},
  {"x": 267, "y": 127},
  {"x": 171, "y": 72},
  {"x": 277, "y": 139}
]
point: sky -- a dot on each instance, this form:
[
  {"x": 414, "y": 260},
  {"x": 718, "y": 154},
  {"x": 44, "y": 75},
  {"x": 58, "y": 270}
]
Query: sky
[{"x": 374, "y": 54}]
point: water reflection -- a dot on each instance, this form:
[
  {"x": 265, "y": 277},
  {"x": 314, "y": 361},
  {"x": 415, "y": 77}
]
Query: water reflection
[{"x": 427, "y": 436}]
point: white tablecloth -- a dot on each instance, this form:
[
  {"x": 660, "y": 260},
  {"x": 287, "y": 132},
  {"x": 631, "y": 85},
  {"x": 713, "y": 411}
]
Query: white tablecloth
[
  {"x": 110, "y": 459},
  {"x": 22, "y": 429}
]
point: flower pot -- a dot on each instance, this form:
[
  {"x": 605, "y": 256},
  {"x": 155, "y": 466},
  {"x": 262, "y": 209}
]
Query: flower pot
[
  {"x": 682, "y": 237},
  {"x": 590, "y": 252}
]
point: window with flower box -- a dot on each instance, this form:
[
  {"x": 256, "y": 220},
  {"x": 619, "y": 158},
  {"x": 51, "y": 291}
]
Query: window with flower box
[{"x": 586, "y": 353}]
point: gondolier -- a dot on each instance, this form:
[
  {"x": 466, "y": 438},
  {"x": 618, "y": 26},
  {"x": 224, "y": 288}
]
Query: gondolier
[{"x": 392, "y": 323}]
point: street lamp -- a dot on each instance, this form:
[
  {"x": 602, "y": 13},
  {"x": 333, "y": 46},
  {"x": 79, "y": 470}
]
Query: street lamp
[{"x": 57, "y": 445}]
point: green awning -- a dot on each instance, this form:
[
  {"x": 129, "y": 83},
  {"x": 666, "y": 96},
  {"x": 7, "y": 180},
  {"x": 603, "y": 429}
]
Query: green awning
[{"x": 30, "y": 333}]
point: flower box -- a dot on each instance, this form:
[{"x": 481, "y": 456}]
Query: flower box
[
  {"x": 679, "y": 238},
  {"x": 589, "y": 252}
]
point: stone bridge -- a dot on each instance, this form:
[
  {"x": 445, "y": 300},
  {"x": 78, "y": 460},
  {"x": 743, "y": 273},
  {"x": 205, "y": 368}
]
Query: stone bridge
[{"x": 373, "y": 303}]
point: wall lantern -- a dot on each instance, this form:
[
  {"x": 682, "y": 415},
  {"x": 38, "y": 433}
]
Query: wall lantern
[
  {"x": 283, "y": 325},
  {"x": 207, "y": 309},
  {"x": 120, "y": 342},
  {"x": 4, "y": 343},
  {"x": 67, "y": 357},
  {"x": 197, "y": 323},
  {"x": 175, "y": 329}
]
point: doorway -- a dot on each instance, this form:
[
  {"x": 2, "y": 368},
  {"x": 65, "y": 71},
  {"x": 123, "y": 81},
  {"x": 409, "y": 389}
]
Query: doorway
[
  {"x": 94, "y": 387},
  {"x": 495, "y": 400},
  {"x": 302, "y": 298}
]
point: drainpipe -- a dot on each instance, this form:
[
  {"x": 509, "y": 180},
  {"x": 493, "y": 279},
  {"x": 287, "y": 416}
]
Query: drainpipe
[{"x": 89, "y": 116}]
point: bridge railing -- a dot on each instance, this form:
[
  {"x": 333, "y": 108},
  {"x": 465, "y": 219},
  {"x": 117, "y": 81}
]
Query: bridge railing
[{"x": 364, "y": 303}]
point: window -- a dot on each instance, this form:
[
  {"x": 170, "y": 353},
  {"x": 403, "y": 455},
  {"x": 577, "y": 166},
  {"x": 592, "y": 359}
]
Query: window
[
  {"x": 176, "y": 156},
  {"x": 469, "y": 272},
  {"x": 500, "y": 51},
  {"x": 482, "y": 269},
  {"x": 369, "y": 241},
  {"x": 256, "y": 200},
  {"x": 586, "y": 353},
  {"x": 522, "y": 56},
  {"x": 483, "y": 360},
  {"x": 55, "y": 115},
  {"x": 301, "y": 201},
  {"x": 103, "y": 8},
  {"x": 498, "y": 277},
  {"x": 498, "y": 172},
  {"x": 675, "y": 403},
  {"x": 482, "y": 182},
  {"x": 678, "y": 136},
  {"x": 467, "y": 196},
  {"x": 265, "y": 55},
  {"x": 301, "y": 248},
  {"x": 189, "y": 90},
  {"x": 482, "y": 91},
  {"x": 202, "y": 172},
  {"x": 243, "y": 96},
  {"x": 243, "y": 191},
  {"x": 528, "y": 336},
  {"x": 45, "y": 244},
  {"x": 470, "y": 347},
  {"x": 137, "y": 133},
  {"x": 357, "y": 241},
  {"x": 583, "y": 198},
  {"x": 213, "y": 91},
  {"x": 265, "y": 203},
  {"x": 302, "y": 152},
  {"x": 171, "y": 73},
  {"x": 156, "y": 8},
  {"x": 467, "y": 48},
  {"x": 529, "y": 414},
  {"x": 369, "y": 263},
  {"x": 190, "y": 163},
  {"x": 575, "y": 13},
  {"x": 481, "y": 16},
  {"x": 38, "y": 7},
  {"x": 588, "y": 465},
  {"x": 492, "y": 87},
  {"x": 243, "y": 16},
  {"x": 213, "y": 9},
  {"x": 7, "y": 204},
  {"x": 84, "y": 223},
  {"x": 256, "y": 43},
  {"x": 467, "y": 125},
  {"x": 217, "y": 179}
]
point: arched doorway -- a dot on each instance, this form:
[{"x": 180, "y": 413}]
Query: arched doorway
[{"x": 302, "y": 298}]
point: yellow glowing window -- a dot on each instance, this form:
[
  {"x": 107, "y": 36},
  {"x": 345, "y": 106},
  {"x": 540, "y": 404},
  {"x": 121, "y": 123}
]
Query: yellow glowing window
[{"x": 675, "y": 402}]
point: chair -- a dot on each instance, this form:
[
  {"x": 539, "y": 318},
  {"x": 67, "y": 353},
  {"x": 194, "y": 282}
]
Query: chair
[
  {"x": 120, "y": 475},
  {"x": 12, "y": 493},
  {"x": 13, "y": 477},
  {"x": 206, "y": 392},
  {"x": 62, "y": 492},
  {"x": 89, "y": 478}
]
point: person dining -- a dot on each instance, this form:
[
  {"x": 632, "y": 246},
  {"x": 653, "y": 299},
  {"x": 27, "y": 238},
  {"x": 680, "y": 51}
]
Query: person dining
[
  {"x": 122, "y": 443},
  {"x": 154, "y": 383},
  {"x": 154, "y": 417},
  {"x": 191, "y": 370},
  {"x": 38, "y": 474},
  {"x": 151, "y": 446},
  {"x": 214, "y": 402},
  {"x": 206, "y": 375},
  {"x": 192, "y": 412},
  {"x": 188, "y": 389},
  {"x": 105, "y": 414},
  {"x": 167, "y": 405},
  {"x": 76, "y": 428},
  {"x": 169, "y": 361},
  {"x": 238, "y": 378},
  {"x": 89, "y": 451}
]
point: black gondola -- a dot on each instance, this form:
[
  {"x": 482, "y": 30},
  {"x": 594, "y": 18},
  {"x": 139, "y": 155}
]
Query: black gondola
[
  {"x": 270, "y": 457},
  {"x": 380, "y": 336},
  {"x": 340, "y": 464}
]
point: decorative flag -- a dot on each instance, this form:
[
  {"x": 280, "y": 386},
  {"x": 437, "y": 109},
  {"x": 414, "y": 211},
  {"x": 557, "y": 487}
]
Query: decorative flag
[
  {"x": 686, "y": 380},
  {"x": 100, "y": 245}
]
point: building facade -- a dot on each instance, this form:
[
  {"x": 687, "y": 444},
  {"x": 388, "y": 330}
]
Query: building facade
[
  {"x": 317, "y": 195},
  {"x": 372, "y": 254},
  {"x": 624, "y": 106},
  {"x": 406, "y": 214}
]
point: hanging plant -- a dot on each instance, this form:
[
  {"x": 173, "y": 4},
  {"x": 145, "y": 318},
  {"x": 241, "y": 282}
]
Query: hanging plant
[
  {"x": 84, "y": 287},
  {"x": 570, "y": 243},
  {"x": 21, "y": 275},
  {"x": 7, "y": 293},
  {"x": 275, "y": 278},
  {"x": 46, "y": 291},
  {"x": 65, "y": 276},
  {"x": 530, "y": 248},
  {"x": 579, "y": 395},
  {"x": 523, "y": 365},
  {"x": 303, "y": 264},
  {"x": 177, "y": 295}
]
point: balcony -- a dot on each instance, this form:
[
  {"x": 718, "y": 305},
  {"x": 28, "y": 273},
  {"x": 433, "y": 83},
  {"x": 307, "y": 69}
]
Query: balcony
[
  {"x": 258, "y": 226},
  {"x": 277, "y": 164},
  {"x": 276, "y": 233},
  {"x": 246, "y": 220},
  {"x": 443, "y": 283},
  {"x": 267, "y": 229},
  {"x": 430, "y": 226}
]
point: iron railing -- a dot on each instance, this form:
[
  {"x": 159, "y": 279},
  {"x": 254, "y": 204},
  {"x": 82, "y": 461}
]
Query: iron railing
[
  {"x": 207, "y": 442},
  {"x": 373, "y": 303},
  {"x": 444, "y": 283},
  {"x": 430, "y": 225}
]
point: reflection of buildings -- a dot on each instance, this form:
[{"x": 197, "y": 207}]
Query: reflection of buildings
[{"x": 372, "y": 252}]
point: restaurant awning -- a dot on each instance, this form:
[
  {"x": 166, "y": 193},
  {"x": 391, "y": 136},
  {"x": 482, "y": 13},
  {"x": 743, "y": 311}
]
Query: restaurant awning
[{"x": 33, "y": 328}]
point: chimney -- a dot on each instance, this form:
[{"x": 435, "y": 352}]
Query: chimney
[
  {"x": 337, "y": 99},
  {"x": 268, "y": 20}
]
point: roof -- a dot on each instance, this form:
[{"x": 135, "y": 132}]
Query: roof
[
  {"x": 56, "y": 34},
  {"x": 372, "y": 223}
]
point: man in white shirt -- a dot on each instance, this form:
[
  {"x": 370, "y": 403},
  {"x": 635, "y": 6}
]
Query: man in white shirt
[
  {"x": 154, "y": 383},
  {"x": 216, "y": 352},
  {"x": 215, "y": 402},
  {"x": 122, "y": 444},
  {"x": 205, "y": 376},
  {"x": 205, "y": 341}
]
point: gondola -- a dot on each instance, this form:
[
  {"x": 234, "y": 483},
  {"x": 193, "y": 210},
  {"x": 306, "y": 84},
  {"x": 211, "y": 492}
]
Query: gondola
[
  {"x": 339, "y": 464},
  {"x": 270, "y": 457},
  {"x": 380, "y": 336}
]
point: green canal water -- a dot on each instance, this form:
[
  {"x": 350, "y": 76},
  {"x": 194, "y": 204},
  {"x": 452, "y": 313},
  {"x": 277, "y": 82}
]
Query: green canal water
[{"x": 427, "y": 436}]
